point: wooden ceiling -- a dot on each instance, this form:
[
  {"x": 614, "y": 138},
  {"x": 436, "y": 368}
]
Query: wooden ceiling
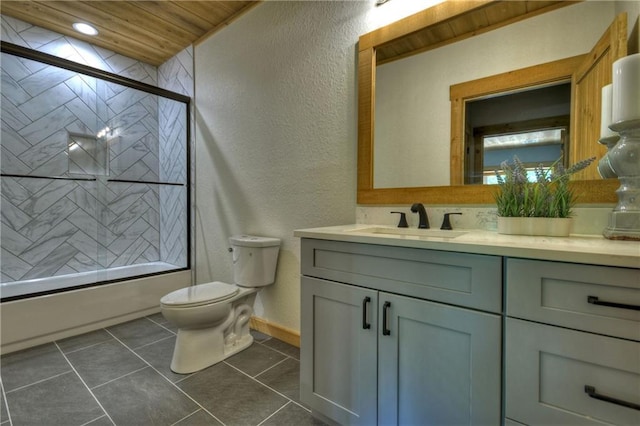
[{"x": 149, "y": 31}]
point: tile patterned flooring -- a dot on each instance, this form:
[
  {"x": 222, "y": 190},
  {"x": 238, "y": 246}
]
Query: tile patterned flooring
[{"x": 120, "y": 375}]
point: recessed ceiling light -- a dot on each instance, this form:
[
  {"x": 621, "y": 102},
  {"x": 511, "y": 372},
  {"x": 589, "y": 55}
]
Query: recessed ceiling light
[{"x": 85, "y": 28}]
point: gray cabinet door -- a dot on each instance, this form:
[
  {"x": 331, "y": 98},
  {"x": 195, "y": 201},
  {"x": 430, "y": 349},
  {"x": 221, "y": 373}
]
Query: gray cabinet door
[
  {"x": 438, "y": 364},
  {"x": 338, "y": 353},
  {"x": 548, "y": 370}
]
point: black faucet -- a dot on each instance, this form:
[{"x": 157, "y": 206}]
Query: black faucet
[{"x": 422, "y": 214}]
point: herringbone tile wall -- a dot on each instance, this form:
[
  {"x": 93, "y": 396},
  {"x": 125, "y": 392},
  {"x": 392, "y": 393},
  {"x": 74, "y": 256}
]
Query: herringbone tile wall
[{"x": 57, "y": 227}]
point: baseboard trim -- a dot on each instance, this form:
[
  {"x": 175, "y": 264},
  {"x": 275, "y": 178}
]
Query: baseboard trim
[{"x": 287, "y": 335}]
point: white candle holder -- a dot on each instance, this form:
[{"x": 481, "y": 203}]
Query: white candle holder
[{"x": 624, "y": 159}]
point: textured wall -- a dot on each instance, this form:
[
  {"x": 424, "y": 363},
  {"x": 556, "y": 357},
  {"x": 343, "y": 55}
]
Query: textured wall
[{"x": 276, "y": 136}]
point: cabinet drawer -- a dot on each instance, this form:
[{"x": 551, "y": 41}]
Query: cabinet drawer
[
  {"x": 558, "y": 293},
  {"x": 547, "y": 369},
  {"x": 469, "y": 280}
]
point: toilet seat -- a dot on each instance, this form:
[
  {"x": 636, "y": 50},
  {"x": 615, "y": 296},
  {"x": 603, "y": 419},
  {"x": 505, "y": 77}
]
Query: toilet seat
[{"x": 198, "y": 295}]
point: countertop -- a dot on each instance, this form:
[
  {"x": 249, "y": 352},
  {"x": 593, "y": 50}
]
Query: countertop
[{"x": 588, "y": 249}]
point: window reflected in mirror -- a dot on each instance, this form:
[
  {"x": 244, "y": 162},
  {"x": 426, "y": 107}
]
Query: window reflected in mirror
[{"x": 533, "y": 125}]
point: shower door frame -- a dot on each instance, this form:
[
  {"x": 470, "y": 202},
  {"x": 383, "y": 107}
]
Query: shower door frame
[{"x": 45, "y": 58}]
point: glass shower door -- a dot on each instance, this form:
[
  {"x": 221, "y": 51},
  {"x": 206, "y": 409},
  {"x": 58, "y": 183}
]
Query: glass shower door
[{"x": 94, "y": 179}]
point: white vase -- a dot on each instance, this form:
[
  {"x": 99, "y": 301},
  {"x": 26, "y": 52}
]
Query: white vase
[{"x": 547, "y": 226}]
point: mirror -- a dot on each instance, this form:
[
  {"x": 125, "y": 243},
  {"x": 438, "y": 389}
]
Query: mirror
[{"x": 435, "y": 30}]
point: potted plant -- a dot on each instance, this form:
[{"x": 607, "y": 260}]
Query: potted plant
[{"x": 536, "y": 207}]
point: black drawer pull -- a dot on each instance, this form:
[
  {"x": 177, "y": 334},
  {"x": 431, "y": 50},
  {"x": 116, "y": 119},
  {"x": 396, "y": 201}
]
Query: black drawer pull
[
  {"x": 385, "y": 310},
  {"x": 365, "y": 302},
  {"x": 591, "y": 391},
  {"x": 595, "y": 301}
]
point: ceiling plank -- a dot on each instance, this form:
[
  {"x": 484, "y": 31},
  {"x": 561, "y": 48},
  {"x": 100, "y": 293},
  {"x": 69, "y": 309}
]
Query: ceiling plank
[
  {"x": 40, "y": 15},
  {"x": 151, "y": 31}
]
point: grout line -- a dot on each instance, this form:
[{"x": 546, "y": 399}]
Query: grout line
[
  {"x": 86, "y": 347},
  {"x": 85, "y": 384},
  {"x": 6, "y": 406},
  {"x": 274, "y": 413},
  {"x": 161, "y": 325},
  {"x": 39, "y": 381},
  {"x": 153, "y": 343},
  {"x": 167, "y": 379},
  {"x": 91, "y": 421},
  {"x": 120, "y": 377},
  {"x": 258, "y": 381},
  {"x": 273, "y": 366},
  {"x": 185, "y": 417}
]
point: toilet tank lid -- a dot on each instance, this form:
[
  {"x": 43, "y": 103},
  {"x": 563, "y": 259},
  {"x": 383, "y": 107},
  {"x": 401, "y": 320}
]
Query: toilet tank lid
[{"x": 253, "y": 241}]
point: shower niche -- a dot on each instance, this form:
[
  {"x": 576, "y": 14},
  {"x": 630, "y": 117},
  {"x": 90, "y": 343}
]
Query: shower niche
[
  {"x": 88, "y": 154},
  {"x": 95, "y": 182}
]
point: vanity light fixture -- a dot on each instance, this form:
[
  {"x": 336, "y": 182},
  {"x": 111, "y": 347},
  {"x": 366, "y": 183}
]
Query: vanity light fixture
[{"x": 83, "y": 28}]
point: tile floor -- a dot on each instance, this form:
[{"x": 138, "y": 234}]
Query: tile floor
[{"x": 120, "y": 375}]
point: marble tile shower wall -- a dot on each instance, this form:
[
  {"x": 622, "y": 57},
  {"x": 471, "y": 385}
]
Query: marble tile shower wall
[
  {"x": 176, "y": 75},
  {"x": 52, "y": 227}
]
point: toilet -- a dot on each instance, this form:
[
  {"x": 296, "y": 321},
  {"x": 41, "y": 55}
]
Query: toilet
[{"x": 213, "y": 318}]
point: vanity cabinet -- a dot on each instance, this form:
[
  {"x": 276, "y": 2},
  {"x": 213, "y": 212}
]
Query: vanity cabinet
[
  {"x": 395, "y": 335},
  {"x": 572, "y": 343}
]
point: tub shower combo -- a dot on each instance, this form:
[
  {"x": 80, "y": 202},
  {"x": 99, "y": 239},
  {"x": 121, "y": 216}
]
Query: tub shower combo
[{"x": 95, "y": 182}]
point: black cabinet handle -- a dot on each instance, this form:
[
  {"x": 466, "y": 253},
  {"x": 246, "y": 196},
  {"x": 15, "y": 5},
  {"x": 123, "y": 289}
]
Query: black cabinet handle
[
  {"x": 595, "y": 301},
  {"x": 591, "y": 391},
  {"x": 365, "y": 302},
  {"x": 385, "y": 310}
]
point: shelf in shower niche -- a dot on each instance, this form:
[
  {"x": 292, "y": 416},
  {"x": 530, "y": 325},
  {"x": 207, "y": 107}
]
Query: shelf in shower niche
[
  {"x": 147, "y": 182},
  {"x": 46, "y": 177}
]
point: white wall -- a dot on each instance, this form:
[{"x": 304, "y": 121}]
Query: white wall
[{"x": 276, "y": 132}]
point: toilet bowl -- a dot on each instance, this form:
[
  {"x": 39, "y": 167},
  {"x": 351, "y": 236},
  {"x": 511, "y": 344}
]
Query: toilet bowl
[{"x": 213, "y": 318}]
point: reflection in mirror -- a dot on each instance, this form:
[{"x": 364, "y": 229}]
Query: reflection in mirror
[
  {"x": 532, "y": 124},
  {"x": 412, "y": 109}
]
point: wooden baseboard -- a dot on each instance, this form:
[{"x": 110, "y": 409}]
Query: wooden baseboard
[{"x": 287, "y": 335}]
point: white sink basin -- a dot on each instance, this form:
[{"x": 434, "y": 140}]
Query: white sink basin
[{"x": 409, "y": 232}]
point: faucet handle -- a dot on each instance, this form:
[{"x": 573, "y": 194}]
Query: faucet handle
[
  {"x": 446, "y": 223},
  {"x": 403, "y": 220}
]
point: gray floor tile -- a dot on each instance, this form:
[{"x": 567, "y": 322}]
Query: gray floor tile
[
  {"x": 84, "y": 340},
  {"x": 103, "y": 362},
  {"x": 255, "y": 359},
  {"x": 231, "y": 396},
  {"x": 144, "y": 398},
  {"x": 283, "y": 347},
  {"x": 4, "y": 416},
  {"x": 159, "y": 356},
  {"x": 139, "y": 332},
  {"x": 31, "y": 365},
  {"x": 258, "y": 336},
  {"x": 158, "y": 318},
  {"x": 199, "y": 418},
  {"x": 292, "y": 415},
  {"x": 284, "y": 377},
  {"x": 62, "y": 400}
]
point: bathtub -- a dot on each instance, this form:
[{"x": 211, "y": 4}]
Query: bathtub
[
  {"x": 13, "y": 289},
  {"x": 32, "y": 321}
]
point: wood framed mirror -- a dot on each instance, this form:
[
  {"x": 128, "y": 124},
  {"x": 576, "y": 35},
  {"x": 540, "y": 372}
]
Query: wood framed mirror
[{"x": 450, "y": 22}]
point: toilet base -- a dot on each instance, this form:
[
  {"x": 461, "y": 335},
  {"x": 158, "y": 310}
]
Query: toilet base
[{"x": 199, "y": 349}]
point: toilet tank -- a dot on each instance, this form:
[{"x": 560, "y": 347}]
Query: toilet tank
[{"x": 254, "y": 260}]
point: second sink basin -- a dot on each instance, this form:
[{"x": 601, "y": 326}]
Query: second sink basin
[{"x": 426, "y": 233}]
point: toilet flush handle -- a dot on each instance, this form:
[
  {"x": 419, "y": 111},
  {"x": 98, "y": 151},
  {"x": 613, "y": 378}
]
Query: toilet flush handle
[{"x": 234, "y": 257}]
